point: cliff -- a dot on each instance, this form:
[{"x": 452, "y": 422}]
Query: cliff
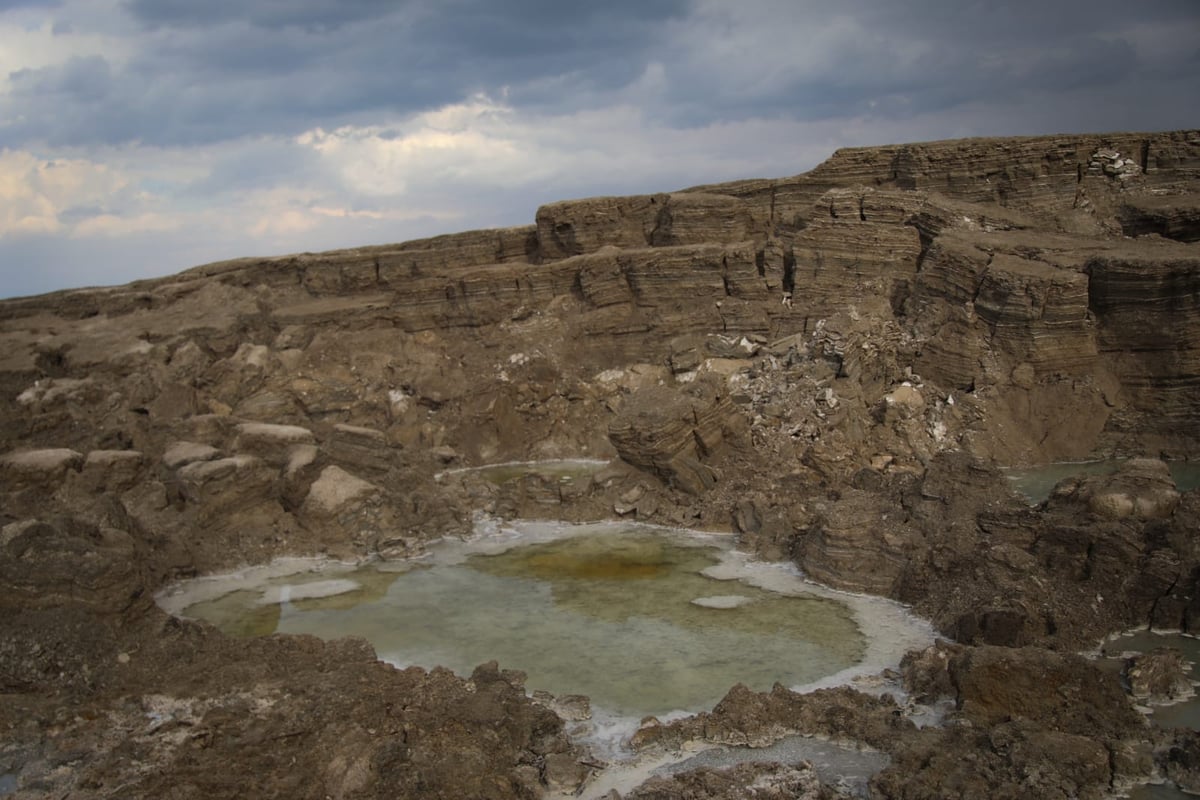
[{"x": 832, "y": 365}]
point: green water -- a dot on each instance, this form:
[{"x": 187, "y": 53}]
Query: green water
[
  {"x": 609, "y": 614},
  {"x": 1036, "y": 483}
]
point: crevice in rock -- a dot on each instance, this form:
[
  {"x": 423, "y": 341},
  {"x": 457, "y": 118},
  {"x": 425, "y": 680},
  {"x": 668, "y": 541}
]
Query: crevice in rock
[
  {"x": 577, "y": 287},
  {"x": 789, "y": 270},
  {"x": 926, "y": 242},
  {"x": 1159, "y": 599},
  {"x": 629, "y": 282}
]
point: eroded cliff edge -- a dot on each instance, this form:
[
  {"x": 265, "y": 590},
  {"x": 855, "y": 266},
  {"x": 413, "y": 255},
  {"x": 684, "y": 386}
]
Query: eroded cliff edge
[{"x": 831, "y": 365}]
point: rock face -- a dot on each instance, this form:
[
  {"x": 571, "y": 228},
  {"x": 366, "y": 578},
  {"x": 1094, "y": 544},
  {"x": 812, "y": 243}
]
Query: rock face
[
  {"x": 834, "y": 365},
  {"x": 670, "y": 432}
]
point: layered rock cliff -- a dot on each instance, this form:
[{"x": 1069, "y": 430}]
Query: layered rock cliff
[{"x": 832, "y": 365}]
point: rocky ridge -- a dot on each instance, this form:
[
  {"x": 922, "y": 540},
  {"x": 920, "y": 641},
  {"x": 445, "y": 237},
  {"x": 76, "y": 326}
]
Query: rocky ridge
[{"x": 831, "y": 366}]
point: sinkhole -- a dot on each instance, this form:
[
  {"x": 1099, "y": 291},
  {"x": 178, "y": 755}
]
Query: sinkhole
[{"x": 642, "y": 620}]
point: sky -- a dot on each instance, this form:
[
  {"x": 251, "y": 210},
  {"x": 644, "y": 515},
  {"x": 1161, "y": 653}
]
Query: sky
[{"x": 142, "y": 137}]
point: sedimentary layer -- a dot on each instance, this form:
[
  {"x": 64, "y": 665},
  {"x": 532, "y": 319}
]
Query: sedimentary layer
[{"x": 831, "y": 366}]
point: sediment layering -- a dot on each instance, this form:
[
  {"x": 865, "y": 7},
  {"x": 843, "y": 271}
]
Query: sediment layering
[{"x": 830, "y": 366}]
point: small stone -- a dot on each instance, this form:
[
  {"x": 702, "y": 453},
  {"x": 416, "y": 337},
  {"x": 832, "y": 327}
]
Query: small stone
[
  {"x": 632, "y": 496},
  {"x": 39, "y": 467},
  {"x": 180, "y": 454},
  {"x": 336, "y": 490}
]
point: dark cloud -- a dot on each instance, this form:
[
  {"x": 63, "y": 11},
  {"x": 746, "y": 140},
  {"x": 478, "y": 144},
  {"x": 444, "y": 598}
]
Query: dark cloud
[
  {"x": 894, "y": 60},
  {"x": 313, "y": 14},
  {"x": 81, "y": 80},
  {"x": 255, "y": 165},
  {"x": 1027, "y": 22},
  {"x": 225, "y": 69},
  {"x": 10, "y": 5},
  {"x": 209, "y": 71}
]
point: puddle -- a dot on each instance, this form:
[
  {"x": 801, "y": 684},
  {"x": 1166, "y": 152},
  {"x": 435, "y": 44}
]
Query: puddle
[
  {"x": 643, "y": 620},
  {"x": 1036, "y": 483},
  {"x": 8, "y": 783}
]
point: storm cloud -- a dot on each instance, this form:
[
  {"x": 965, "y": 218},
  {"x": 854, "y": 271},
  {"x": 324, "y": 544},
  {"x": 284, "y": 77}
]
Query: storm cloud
[{"x": 255, "y": 126}]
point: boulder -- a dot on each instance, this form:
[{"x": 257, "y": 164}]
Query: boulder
[
  {"x": 66, "y": 561},
  {"x": 671, "y": 432},
  {"x": 1159, "y": 676},
  {"x": 1066, "y": 693},
  {"x": 363, "y": 449},
  {"x": 859, "y": 544},
  {"x": 223, "y": 484},
  {"x": 337, "y": 492},
  {"x": 111, "y": 470},
  {"x": 180, "y": 454},
  {"x": 1142, "y": 488},
  {"x": 272, "y": 443},
  {"x": 39, "y": 468}
]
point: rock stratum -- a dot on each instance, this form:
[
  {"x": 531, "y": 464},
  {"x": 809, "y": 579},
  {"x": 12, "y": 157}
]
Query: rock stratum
[{"x": 832, "y": 367}]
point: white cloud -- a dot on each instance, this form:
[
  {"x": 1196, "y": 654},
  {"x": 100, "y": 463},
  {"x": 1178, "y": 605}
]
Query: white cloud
[
  {"x": 36, "y": 193},
  {"x": 112, "y": 225},
  {"x": 475, "y": 140}
]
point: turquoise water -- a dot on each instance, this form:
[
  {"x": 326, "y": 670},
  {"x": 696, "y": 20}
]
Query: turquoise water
[
  {"x": 624, "y": 616},
  {"x": 1036, "y": 483}
]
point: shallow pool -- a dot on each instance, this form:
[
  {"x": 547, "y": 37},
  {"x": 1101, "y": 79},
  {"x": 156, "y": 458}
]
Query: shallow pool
[
  {"x": 642, "y": 620},
  {"x": 1036, "y": 483}
]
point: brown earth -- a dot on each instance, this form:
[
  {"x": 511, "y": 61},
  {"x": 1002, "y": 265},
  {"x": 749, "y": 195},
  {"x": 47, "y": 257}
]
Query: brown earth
[{"x": 833, "y": 366}]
